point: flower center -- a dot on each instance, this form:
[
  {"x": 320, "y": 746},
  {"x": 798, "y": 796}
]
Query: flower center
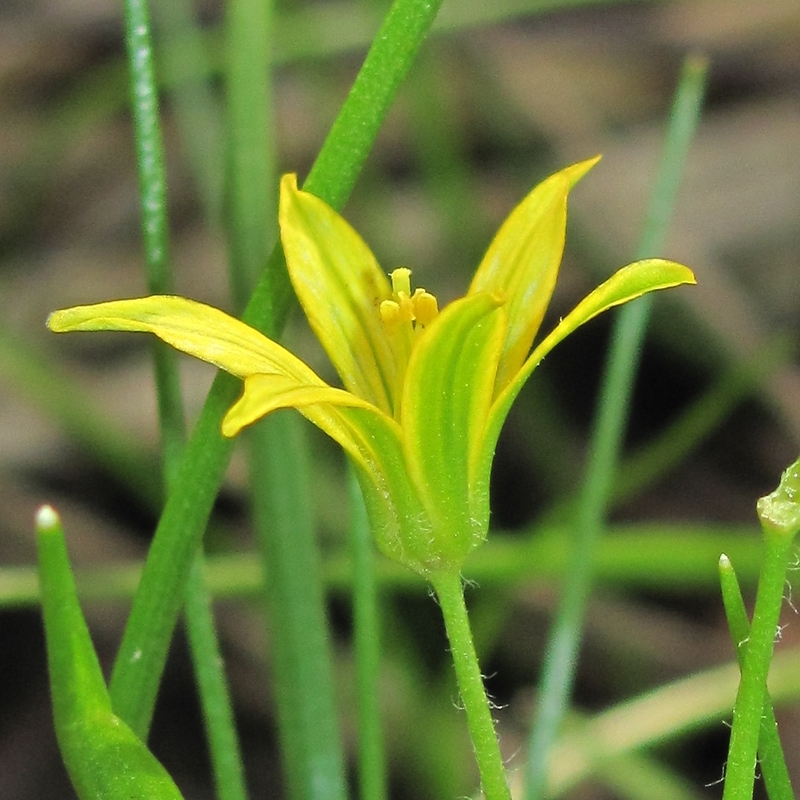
[
  {"x": 413, "y": 311},
  {"x": 404, "y": 317}
]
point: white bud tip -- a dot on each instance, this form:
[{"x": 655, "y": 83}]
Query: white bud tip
[{"x": 47, "y": 518}]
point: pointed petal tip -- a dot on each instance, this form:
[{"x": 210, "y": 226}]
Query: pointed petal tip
[
  {"x": 672, "y": 272},
  {"x": 576, "y": 171},
  {"x": 65, "y": 320},
  {"x": 289, "y": 182},
  {"x": 231, "y": 425}
]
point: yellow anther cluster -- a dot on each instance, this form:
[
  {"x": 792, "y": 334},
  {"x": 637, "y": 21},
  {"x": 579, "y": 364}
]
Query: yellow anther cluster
[{"x": 415, "y": 310}]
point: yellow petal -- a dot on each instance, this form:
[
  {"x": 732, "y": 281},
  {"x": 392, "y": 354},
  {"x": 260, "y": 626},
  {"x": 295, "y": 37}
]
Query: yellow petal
[
  {"x": 195, "y": 328},
  {"x": 522, "y": 263},
  {"x": 625, "y": 284},
  {"x": 446, "y": 401},
  {"x": 264, "y": 394},
  {"x": 371, "y": 439},
  {"x": 340, "y": 286}
]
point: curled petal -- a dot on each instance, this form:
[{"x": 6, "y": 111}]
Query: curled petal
[{"x": 264, "y": 394}]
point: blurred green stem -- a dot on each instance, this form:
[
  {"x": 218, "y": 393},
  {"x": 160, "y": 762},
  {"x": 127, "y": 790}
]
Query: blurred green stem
[
  {"x": 617, "y": 387},
  {"x": 301, "y": 663},
  {"x": 367, "y": 634},
  {"x": 212, "y": 685},
  {"x": 302, "y": 658}
]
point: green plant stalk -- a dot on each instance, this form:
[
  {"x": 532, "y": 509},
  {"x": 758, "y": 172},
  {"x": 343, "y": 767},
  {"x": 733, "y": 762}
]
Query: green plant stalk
[
  {"x": 450, "y": 592},
  {"x": 654, "y": 556},
  {"x": 138, "y": 668},
  {"x": 779, "y": 513},
  {"x": 250, "y": 180},
  {"x": 747, "y": 713},
  {"x": 770, "y": 751},
  {"x": 153, "y": 205},
  {"x": 307, "y": 721},
  {"x": 302, "y": 674},
  {"x": 182, "y": 48},
  {"x": 366, "y": 624},
  {"x": 212, "y": 685},
  {"x": 617, "y": 386},
  {"x": 218, "y": 717}
]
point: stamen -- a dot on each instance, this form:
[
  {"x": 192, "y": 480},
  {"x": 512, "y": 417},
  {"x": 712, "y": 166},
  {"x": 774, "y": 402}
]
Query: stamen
[
  {"x": 401, "y": 282},
  {"x": 404, "y": 318},
  {"x": 390, "y": 314},
  {"x": 419, "y": 308},
  {"x": 425, "y": 307}
]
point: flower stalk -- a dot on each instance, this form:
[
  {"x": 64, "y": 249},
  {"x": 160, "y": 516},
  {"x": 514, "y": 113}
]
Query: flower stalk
[{"x": 450, "y": 593}]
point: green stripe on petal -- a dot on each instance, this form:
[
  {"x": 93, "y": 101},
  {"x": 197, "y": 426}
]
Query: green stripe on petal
[
  {"x": 399, "y": 521},
  {"x": 194, "y": 328},
  {"x": 625, "y": 284},
  {"x": 372, "y": 440},
  {"x": 523, "y": 260},
  {"x": 446, "y": 401},
  {"x": 340, "y": 286}
]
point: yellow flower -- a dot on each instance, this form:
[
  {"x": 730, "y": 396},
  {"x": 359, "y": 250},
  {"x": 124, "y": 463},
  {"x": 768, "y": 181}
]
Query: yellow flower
[{"x": 425, "y": 392}]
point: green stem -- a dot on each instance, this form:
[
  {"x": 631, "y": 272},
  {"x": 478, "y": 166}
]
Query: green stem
[
  {"x": 747, "y": 712},
  {"x": 223, "y": 741},
  {"x": 371, "y": 756},
  {"x": 212, "y": 684},
  {"x": 617, "y": 387},
  {"x": 770, "y": 752},
  {"x": 301, "y": 661},
  {"x": 779, "y": 513},
  {"x": 389, "y": 58},
  {"x": 142, "y": 654},
  {"x": 449, "y": 590},
  {"x": 250, "y": 182}
]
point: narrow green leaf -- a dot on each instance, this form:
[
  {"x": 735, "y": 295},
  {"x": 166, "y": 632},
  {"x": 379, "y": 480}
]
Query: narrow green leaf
[{"x": 104, "y": 757}]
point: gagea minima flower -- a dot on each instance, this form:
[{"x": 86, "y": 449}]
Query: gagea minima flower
[{"x": 426, "y": 391}]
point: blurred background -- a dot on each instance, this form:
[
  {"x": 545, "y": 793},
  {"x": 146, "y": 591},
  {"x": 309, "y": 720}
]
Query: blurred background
[{"x": 498, "y": 99}]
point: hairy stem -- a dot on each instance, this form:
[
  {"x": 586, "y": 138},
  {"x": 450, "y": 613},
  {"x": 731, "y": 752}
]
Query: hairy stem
[{"x": 449, "y": 590}]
